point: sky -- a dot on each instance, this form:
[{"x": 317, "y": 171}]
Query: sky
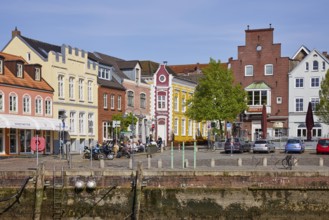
[{"x": 175, "y": 31}]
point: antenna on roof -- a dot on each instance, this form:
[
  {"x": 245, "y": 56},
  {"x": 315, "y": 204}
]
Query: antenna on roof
[
  {"x": 270, "y": 25},
  {"x": 165, "y": 62},
  {"x": 248, "y": 27}
]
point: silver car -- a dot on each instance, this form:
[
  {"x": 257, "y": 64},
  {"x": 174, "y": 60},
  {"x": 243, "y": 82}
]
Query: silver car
[{"x": 263, "y": 145}]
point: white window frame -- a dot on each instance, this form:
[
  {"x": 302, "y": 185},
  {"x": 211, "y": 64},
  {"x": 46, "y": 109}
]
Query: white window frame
[
  {"x": 13, "y": 101},
  {"x": 316, "y": 82},
  {"x": 72, "y": 121},
  {"x": 190, "y": 127},
  {"x": 90, "y": 123},
  {"x": 37, "y": 73},
  {"x": 1, "y": 66},
  {"x": 2, "y": 101},
  {"x": 314, "y": 101},
  {"x": 26, "y": 104},
  {"x": 105, "y": 101},
  {"x": 130, "y": 95},
  {"x": 176, "y": 102},
  {"x": 82, "y": 123},
  {"x": 38, "y": 105},
  {"x": 48, "y": 106},
  {"x": 142, "y": 100},
  {"x": 184, "y": 103},
  {"x": 112, "y": 97},
  {"x": 60, "y": 86},
  {"x": 161, "y": 103},
  {"x": 80, "y": 85},
  {"x": 266, "y": 69},
  {"x": 300, "y": 102},
  {"x": 315, "y": 64},
  {"x": 249, "y": 70},
  {"x": 176, "y": 126},
  {"x": 183, "y": 127},
  {"x": 307, "y": 66},
  {"x": 301, "y": 80},
  {"x": 254, "y": 101},
  {"x": 71, "y": 88},
  {"x": 119, "y": 102},
  {"x": 19, "y": 70},
  {"x": 90, "y": 91}
]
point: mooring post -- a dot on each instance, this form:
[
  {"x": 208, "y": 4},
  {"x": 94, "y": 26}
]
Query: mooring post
[
  {"x": 183, "y": 156},
  {"x": 172, "y": 155},
  {"x": 137, "y": 191},
  {"x": 39, "y": 186}
]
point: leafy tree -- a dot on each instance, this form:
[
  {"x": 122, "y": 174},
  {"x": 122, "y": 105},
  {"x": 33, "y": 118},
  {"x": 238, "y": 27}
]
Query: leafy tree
[
  {"x": 322, "y": 109},
  {"x": 216, "y": 96},
  {"x": 125, "y": 120}
]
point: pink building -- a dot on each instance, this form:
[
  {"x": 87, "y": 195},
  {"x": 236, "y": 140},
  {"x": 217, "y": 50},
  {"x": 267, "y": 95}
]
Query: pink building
[{"x": 26, "y": 106}]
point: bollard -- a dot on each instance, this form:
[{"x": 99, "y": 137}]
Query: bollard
[
  {"x": 186, "y": 163},
  {"x": 178, "y": 147},
  {"x": 239, "y": 162},
  {"x": 130, "y": 163},
  {"x": 265, "y": 162},
  {"x": 212, "y": 162},
  {"x": 161, "y": 148},
  {"x": 101, "y": 163},
  {"x": 159, "y": 163},
  {"x": 321, "y": 162},
  {"x": 149, "y": 163}
]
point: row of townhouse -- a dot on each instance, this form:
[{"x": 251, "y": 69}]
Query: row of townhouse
[
  {"x": 86, "y": 89},
  {"x": 285, "y": 85}
]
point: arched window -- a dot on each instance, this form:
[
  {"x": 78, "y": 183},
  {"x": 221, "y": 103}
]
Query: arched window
[
  {"x": 315, "y": 65},
  {"x": 38, "y": 105},
  {"x": 27, "y": 104},
  {"x": 131, "y": 98},
  {"x": 142, "y": 100},
  {"x": 13, "y": 102}
]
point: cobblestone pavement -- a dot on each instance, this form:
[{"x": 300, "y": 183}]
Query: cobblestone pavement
[{"x": 173, "y": 160}]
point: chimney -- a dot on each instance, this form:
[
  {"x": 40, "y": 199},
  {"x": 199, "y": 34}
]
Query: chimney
[
  {"x": 15, "y": 33},
  {"x": 325, "y": 53},
  {"x": 165, "y": 63}
]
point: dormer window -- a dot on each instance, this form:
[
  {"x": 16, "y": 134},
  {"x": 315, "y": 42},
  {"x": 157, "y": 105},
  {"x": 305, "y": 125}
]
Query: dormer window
[
  {"x": 37, "y": 74},
  {"x": 137, "y": 75},
  {"x": 19, "y": 72},
  {"x": 1, "y": 66}
]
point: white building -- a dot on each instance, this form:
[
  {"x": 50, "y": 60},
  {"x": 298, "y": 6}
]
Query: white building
[{"x": 304, "y": 85}]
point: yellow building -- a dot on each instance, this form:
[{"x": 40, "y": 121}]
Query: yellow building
[{"x": 74, "y": 79}]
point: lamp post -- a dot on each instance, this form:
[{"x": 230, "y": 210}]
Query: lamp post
[{"x": 61, "y": 134}]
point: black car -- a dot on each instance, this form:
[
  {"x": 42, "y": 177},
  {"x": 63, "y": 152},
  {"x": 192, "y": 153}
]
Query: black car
[{"x": 236, "y": 145}]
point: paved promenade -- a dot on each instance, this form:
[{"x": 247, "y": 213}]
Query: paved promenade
[{"x": 212, "y": 160}]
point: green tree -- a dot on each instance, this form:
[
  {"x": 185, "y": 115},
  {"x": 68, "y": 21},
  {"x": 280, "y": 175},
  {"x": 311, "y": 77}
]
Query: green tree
[
  {"x": 216, "y": 96},
  {"x": 322, "y": 109},
  {"x": 125, "y": 120}
]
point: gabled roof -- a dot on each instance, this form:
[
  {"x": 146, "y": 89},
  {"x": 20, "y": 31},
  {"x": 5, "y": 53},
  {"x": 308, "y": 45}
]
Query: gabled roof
[
  {"x": 129, "y": 64},
  {"x": 187, "y": 68},
  {"x": 113, "y": 84},
  {"x": 301, "y": 53},
  {"x": 258, "y": 85},
  {"x": 150, "y": 67},
  {"x": 9, "y": 78},
  {"x": 40, "y": 47}
]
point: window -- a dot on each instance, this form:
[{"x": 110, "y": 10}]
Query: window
[
  {"x": 2, "y": 104},
  {"x": 81, "y": 123},
  {"x": 61, "y": 86},
  {"x": 315, "y": 102},
  {"x": 190, "y": 127},
  {"x": 28, "y": 56},
  {"x": 106, "y": 130},
  {"x": 299, "y": 104},
  {"x": 257, "y": 97},
  {"x": 72, "y": 122},
  {"x": 105, "y": 100},
  {"x": 278, "y": 100},
  {"x": 269, "y": 69},
  {"x": 183, "y": 104},
  {"x": 26, "y": 104},
  {"x": 80, "y": 89},
  {"x": 183, "y": 126},
  {"x": 112, "y": 101},
  {"x": 1, "y": 66},
  {"x": 90, "y": 123},
  {"x": 161, "y": 101},
  {"x": 249, "y": 70},
  {"x": 119, "y": 102},
  {"x": 38, "y": 105},
  {"x": 323, "y": 65},
  {"x": 48, "y": 107},
  {"x": 143, "y": 100},
  {"x": 37, "y": 74},
  {"x": 315, "y": 65},
  {"x": 13, "y": 102},
  {"x": 307, "y": 67},
  {"x": 137, "y": 75},
  {"x": 299, "y": 83},
  {"x": 90, "y": 91},
  {"x": 19, "y": 70},
  {"x": 176, "y": 102},
  {"x": 104, "y": 73},
  {"x": 315, "y": 82},
  {"x": 176, "y": 126},
  {"x": 71, "y": 87},
  {"x": 131, "y": 98}
]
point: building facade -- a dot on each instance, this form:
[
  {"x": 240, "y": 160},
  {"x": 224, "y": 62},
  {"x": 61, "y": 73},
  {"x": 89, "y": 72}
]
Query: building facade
[
  {"x": 263, "y": 73},
  {"x": 304, "y": 86},
  {"x": 74, "y": 79},
  {"x": 26, "y": 107}
]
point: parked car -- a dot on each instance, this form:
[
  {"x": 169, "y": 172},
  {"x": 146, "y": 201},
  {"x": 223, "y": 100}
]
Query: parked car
[
  {"x": 263, "y": 145},
  {"x": 294, "y": 145},
  {"x": 238, "y": 145},
  {"x": 322, "y": 146}
]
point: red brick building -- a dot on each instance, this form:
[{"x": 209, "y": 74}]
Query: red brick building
[{"x": 263, "y": 73}]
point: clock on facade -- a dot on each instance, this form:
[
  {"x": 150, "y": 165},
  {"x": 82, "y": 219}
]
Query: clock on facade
[
  {"x": 162, "y": 78},
  {"x": 259, "y": 48}
]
